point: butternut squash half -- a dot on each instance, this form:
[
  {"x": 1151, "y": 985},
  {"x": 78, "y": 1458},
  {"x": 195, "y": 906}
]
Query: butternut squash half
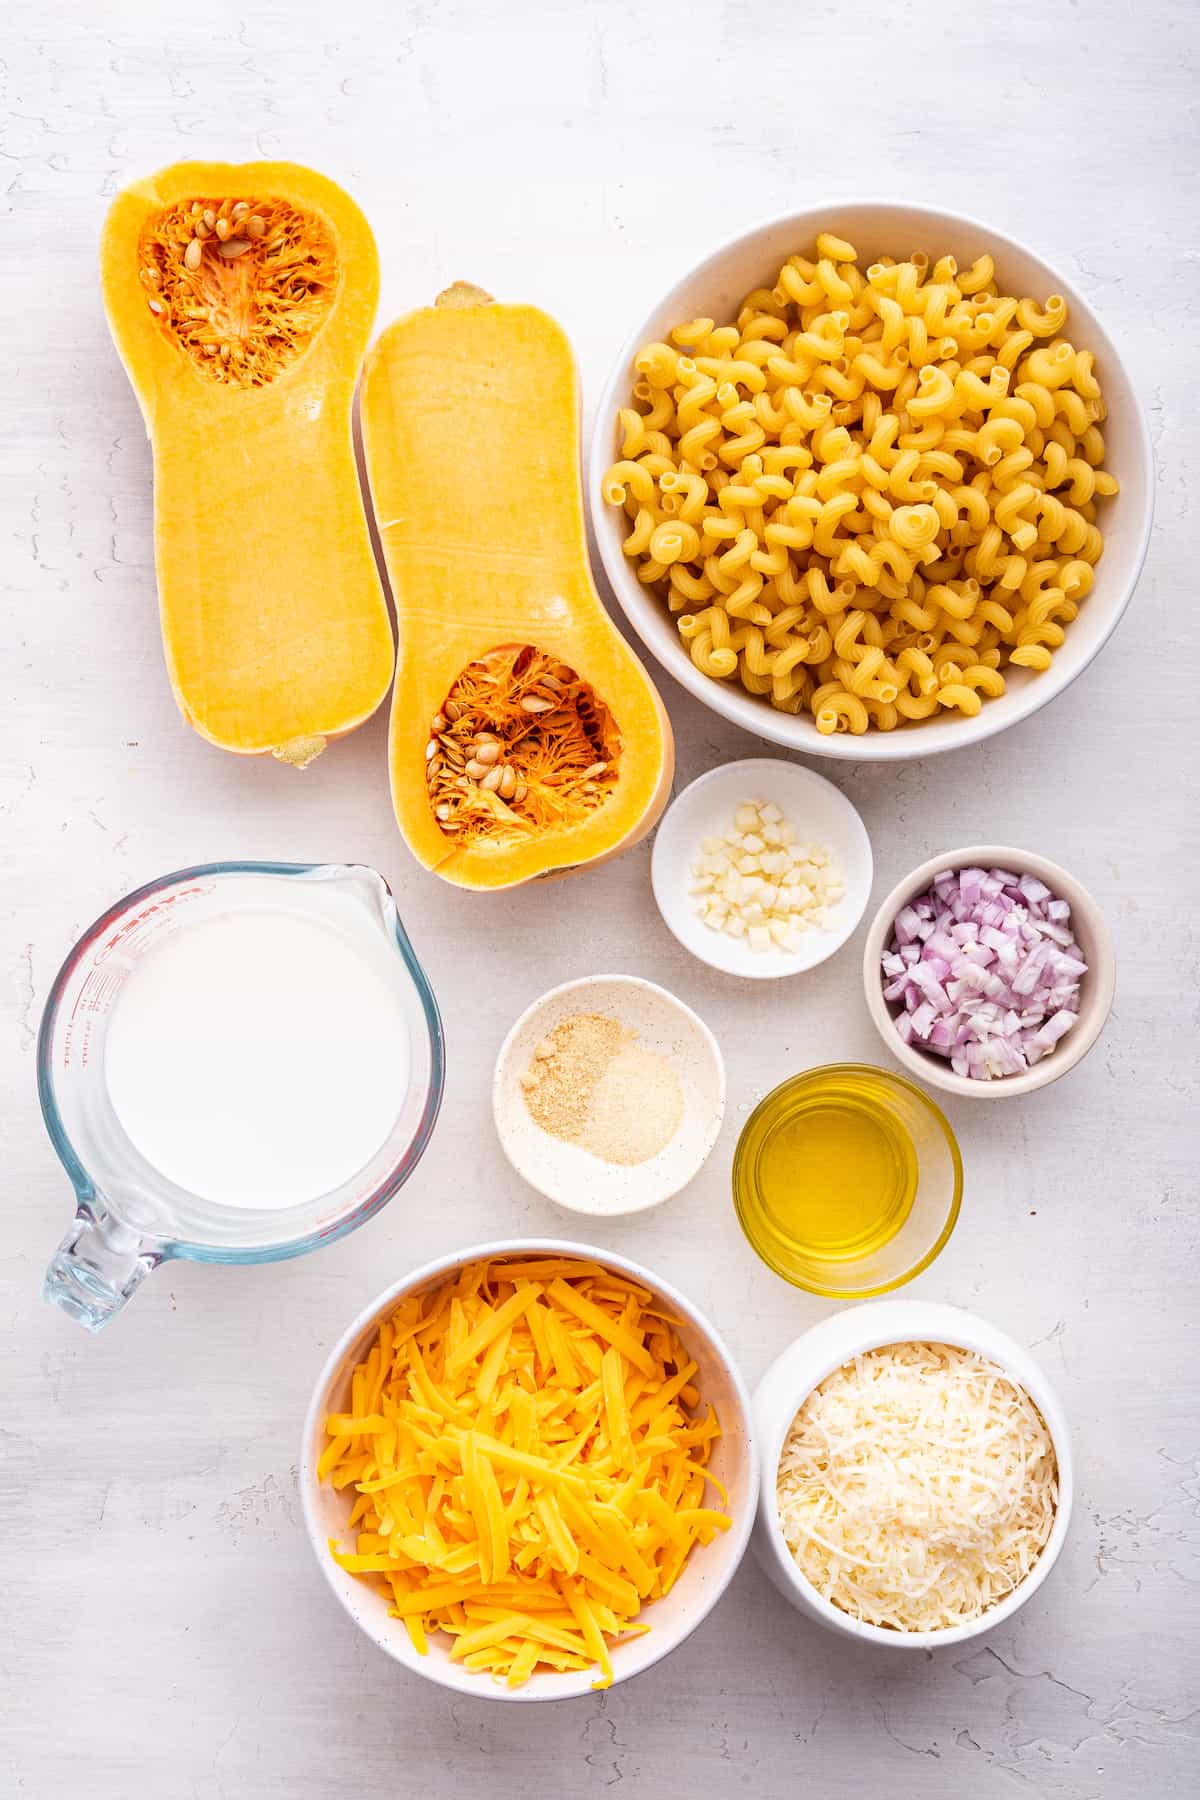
[
  {"x": 240, "y": 298},
  {"x": 526, "y": 738}
]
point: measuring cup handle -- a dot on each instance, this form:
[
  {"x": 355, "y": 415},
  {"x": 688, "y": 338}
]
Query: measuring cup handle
[{"x": 96, "y": 1268}]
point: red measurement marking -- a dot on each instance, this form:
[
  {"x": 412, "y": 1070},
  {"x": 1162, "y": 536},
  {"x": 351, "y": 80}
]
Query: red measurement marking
[{"x": 102, "y": 985}]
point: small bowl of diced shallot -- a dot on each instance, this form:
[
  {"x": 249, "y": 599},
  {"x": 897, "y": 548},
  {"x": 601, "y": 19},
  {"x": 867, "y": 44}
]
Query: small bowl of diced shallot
[{"x": 989, "y": 971}]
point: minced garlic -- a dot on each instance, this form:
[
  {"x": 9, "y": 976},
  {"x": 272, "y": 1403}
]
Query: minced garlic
[{"x": 760, "y": 883}]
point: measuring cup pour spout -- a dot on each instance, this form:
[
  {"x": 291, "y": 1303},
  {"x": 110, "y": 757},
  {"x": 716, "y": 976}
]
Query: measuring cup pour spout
[{"x": 97, "y": 1267}]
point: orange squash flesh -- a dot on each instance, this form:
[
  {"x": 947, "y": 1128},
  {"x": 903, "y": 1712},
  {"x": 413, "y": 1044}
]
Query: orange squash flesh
[
  {"x": 274, "y": 622},
  {"x": 470, "y": 421}
]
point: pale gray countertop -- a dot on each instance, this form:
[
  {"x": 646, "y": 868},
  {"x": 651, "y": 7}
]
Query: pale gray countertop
[{"x": 165, "y": 1629}]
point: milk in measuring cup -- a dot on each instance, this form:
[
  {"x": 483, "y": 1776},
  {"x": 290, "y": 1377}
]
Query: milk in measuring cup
[{"x": 257, "y": 1058}]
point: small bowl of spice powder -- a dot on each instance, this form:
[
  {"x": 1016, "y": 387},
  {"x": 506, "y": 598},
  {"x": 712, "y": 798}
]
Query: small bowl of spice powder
[{"x": 608, "y": 1094}]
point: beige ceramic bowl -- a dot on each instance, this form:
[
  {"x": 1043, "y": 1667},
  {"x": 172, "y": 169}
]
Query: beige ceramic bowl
[
  {"x": 714, "y": 289},
  {"x": 708, "y": 1570},
  {"x": 572, "y": 1177},
  {"x": 1096, "y": 988}
]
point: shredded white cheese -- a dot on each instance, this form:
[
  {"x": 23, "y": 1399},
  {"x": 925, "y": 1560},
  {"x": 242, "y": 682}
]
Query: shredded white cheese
[
  {"x": 917, "y": 1486},
  {"x": 758, "y": 882}
]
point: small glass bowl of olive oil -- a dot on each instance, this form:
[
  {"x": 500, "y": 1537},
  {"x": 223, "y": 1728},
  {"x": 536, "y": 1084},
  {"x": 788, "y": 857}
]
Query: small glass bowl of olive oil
[{"x": 847, "y": 1180}]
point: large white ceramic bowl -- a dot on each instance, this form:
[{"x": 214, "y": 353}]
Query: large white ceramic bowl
[
  {"x": 806, "y": 1363},
  {"x": 708, "y": 1570},
  {"x": 1096, "y": 988},
  {"x": 714, "y": 289}
]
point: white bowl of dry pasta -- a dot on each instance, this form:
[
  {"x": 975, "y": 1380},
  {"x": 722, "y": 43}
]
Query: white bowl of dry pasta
[
  {"x": 916, "y": 1470},
  {"x": 872, "y": 481},
  {"x": 528, "y": 1471}
]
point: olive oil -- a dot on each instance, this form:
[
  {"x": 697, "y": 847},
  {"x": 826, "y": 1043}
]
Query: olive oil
[{"x": 826, "y": 1173}]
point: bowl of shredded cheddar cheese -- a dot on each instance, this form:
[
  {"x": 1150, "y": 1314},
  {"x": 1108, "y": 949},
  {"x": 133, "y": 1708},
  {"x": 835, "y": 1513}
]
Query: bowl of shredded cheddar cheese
[
  {"x": 872, "y": 481},
  {"x": 528, "y": 1471}
]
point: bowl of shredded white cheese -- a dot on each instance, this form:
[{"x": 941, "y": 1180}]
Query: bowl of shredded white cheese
[{"x": 916, "y": 1474}]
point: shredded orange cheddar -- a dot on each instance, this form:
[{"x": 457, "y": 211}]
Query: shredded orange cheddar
[{"x": 527, "y": 1453}]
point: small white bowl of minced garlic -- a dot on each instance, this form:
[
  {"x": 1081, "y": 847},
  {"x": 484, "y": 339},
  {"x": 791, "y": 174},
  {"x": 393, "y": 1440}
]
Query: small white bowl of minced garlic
[
  {"x": 761, "y": 868},
  {"x": 608, "y": 1095}
]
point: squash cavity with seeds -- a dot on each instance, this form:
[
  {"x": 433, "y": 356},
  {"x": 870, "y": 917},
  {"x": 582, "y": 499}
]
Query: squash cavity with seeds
[
  {"x": 240, "y": 298},
  {"x": 526, "y": 738}
]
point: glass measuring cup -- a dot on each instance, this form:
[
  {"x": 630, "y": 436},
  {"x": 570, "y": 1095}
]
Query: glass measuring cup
[{"x": 130, "y": 1216}]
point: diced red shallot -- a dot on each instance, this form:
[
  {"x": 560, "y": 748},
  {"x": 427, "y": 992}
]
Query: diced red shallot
[{"x": 984, "y": 970}]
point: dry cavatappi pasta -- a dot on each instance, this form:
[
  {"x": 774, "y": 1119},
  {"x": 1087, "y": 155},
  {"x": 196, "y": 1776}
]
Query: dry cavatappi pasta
[
  {"x": 873, "y": 492},
  {"x": 528, "y": 1452}
]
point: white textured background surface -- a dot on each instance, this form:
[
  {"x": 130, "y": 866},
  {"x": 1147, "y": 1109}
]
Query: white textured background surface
[{"x": 164, "y": 1629}]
